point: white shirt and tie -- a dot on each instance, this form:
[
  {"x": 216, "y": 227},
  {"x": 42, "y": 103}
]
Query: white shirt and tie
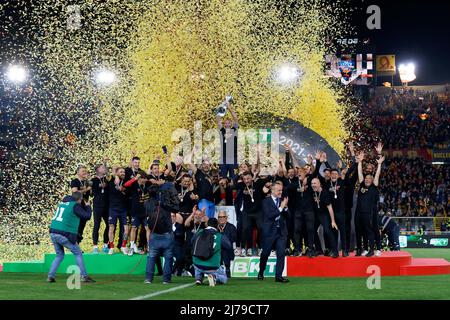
[{"x": 277, "y": 202}]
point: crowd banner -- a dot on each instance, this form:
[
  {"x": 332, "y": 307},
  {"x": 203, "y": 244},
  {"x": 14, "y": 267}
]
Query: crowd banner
[
  {"x": 385, "y": 65},
  {"x": 441, "y": 152},
  {"x": 410, "y": 153}
]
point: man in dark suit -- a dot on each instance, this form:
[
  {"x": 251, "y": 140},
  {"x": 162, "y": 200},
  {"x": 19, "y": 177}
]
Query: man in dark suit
[
  {"x": 228, "y": 230},
  {"x": 274, "y": 231}
]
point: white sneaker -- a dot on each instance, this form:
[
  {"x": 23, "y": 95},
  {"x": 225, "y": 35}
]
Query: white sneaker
[
  {"x": 186, "y": 274},
  {"x": 377, "y": 253},
  {"x": 273, "y": 253},
  {"x": 259, "y": 252},
  {"x": 111, "y": 251},
  {"x": 242, "y": 252},
  {"x": 237, "y": 252},
  {"x": 130, "y": 252},
  {"x": 211, "y": 280},
  {"x": 124, "y": 250},
  {"x": 364, "y": 252},
  {"x": 249, "y": 253}
]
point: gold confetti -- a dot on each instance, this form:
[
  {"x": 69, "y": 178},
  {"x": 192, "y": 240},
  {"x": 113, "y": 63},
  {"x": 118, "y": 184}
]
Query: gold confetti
[{"x": 173, "y": 62}]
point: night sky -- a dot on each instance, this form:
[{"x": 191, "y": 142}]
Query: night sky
[{"x": 415, "y": 31}]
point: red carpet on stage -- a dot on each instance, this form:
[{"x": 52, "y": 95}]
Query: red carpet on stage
[{"x": 395, "y": 263}]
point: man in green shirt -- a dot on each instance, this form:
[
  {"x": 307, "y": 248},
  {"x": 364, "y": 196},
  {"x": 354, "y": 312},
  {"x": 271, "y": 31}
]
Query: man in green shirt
[
  {"x": 211, "y": 266},
  {"x": 64, "y": 232}
]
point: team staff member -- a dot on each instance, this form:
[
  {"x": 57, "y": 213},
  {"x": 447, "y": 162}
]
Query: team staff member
[
  {"x": 228, "y": 230},
  {"x": 81, "y": 184},
  {"x": 351, "y": 177},
  {"x": 64, "y": 233},
  {"x": 304, "y": 216},
  {"x": 274, "y": 232},
  {"x": 368, "y": 196},
  {"x": 204, "y": 187},
  {"x": 117, "y": 209},
  {"x": 325, "y": 215},
  {"x": 336, "y": 188},
  {"x": 248, "y": 205},
  {"x": 100, "y": 201}
]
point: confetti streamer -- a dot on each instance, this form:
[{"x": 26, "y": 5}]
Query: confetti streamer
[{"x": 174, "y": 61}]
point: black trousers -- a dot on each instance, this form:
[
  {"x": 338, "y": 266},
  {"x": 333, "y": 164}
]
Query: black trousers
[
  {"x": 376, "y": 230},
  {"x": 239, "y": 241},
  {"x": 81, "y": 227},
  {"x": 250, "y": 221},
  {"x": 364, "y": 231},
  {"x": 279, "y": 244},
  {"x": 100, "y": 214},
  {"x": 330, "y": 241},
  {"x": 317, "y": 244},
  {"x": 348, "y": 228},
  {"x": 304, "y": 221},
  {"x": 142, "y": 238},
  {"x": 178, "y": 254},
  {"x": 290, "y": 223},
  {"x": 339, "y": 216}
]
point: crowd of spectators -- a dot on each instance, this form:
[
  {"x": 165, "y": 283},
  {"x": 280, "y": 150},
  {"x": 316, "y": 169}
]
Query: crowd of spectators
[{"x": 405, "y": 120}]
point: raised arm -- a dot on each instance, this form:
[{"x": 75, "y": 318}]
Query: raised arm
[
  {"x": 360, "y": 159},
  {"x": 376, "y": 180},
  {"x": 234, "y": 115},
  {"x": 219, "y": 122}
]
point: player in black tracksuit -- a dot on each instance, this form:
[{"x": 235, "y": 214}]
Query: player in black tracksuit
[
  {"x": 368, "y": 196},
  {"x": 336, "y": 188}
]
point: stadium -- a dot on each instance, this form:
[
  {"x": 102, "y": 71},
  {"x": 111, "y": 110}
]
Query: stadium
[{"x": 236, "y": 150}]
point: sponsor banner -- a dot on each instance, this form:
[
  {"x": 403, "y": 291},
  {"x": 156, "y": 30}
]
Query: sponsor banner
[
  {"x": 385, "y": 65},
  {"x": 423, "y": 153},
  {"x": 424, "y": 241},
  {"x": 248, "y": 267},
  {"x": 441, "y": 153}
]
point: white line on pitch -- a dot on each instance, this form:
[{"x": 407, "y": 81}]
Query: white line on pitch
[{"x": 157, "y": 293}]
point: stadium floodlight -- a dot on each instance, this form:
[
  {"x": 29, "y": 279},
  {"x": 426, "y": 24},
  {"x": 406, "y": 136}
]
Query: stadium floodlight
[
  {"x": 16, "y": 74},
  {"x": 105, "y": 77},
  {"x": 406, "y": 72},
  {"x": 287, "y": 74}
]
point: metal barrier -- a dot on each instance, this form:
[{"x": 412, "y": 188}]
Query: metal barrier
[{"x": 429, "y": 224}]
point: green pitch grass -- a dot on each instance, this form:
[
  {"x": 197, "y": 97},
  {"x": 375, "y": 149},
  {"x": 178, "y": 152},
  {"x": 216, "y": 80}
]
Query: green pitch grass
[{"x": 34, "y": 286}]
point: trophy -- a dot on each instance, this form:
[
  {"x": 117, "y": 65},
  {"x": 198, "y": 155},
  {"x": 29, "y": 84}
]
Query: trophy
[{"x": 221, "y": 109}]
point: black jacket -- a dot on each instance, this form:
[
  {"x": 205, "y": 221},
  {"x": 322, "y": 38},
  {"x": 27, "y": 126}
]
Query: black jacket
[
  {"x": 159, "y": 208},
  {"x": 270, "y": 213}
]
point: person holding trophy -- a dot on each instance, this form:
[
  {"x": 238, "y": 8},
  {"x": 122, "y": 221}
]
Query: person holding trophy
[{"x": 228, "y": 133}]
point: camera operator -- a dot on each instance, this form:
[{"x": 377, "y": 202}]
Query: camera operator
[{"x": 161, "y": 238}]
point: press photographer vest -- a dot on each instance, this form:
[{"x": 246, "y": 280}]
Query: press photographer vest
[{"x": 65, "y": 219}]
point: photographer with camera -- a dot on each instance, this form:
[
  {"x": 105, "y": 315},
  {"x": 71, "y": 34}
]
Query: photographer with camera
[
  {"x": 207, "y": 251},
  {"x": 63, "y": 232},
  {"x": 161, "y": 241}
]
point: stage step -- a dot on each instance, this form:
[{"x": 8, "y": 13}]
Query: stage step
[
  {"x": 420, "y": 266},
  {"x": 389, "y": 264},
  {"x": 399, "y": 263}
]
